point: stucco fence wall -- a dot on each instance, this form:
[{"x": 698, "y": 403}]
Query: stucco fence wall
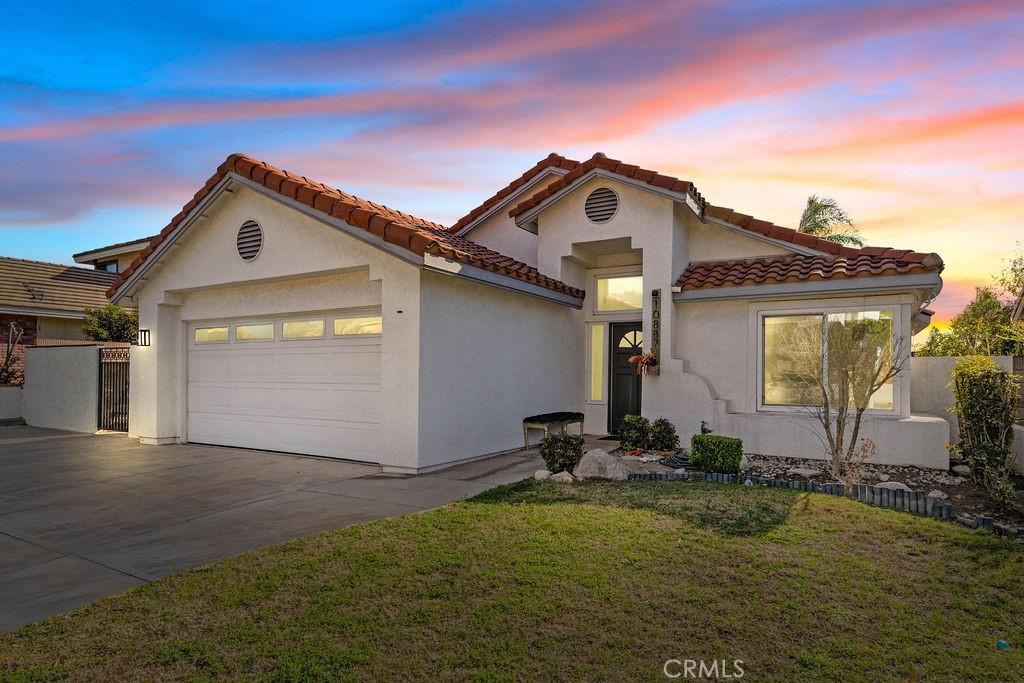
[
  {"x": 931, "y": 395},
  {"x": 61, "y": 387},
  {"x": 10, "y": 403}
]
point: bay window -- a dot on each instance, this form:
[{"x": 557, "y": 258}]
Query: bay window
[{"x": 838, "y": 349}]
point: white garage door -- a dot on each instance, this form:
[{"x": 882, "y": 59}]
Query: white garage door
[{"x": 306, "y": 384}]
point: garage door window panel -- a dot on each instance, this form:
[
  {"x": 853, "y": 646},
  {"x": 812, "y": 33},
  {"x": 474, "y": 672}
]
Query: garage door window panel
[
  {"x": 302, "y": 329},
  {"x": 346, "y": 327},
  {"x": 256, "y": 332},
  {"x": 210, "y": 335}
]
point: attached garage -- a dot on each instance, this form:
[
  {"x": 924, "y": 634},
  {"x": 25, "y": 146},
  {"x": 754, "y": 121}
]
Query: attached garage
[
  {"x": 284, "y": 315},
  {"x": 309, "y": 383}
]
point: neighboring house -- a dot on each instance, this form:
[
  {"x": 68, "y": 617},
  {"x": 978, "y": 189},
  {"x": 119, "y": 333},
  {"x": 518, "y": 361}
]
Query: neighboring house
[
  {"x": 48, "y": 300},
  {"x": 287, "y": 315},
  {"x": 113, "y": 258}
]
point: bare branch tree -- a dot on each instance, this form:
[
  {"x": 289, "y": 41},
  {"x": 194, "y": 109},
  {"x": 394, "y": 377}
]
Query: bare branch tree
[
  {"x": 838, "y": 368},
  {"x": 9, "y": 373}
]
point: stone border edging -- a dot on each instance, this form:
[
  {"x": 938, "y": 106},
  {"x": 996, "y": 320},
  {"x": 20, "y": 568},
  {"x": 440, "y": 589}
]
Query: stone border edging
[{"x": 914, "y": 502}]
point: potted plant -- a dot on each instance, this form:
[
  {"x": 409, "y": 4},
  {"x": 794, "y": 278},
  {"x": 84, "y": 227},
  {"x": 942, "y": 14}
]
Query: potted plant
[{"x": 644, "y": 362}]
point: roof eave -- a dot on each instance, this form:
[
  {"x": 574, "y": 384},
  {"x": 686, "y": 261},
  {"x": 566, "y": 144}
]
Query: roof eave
[
  {"x": 499, "y": 206},
  {"x": 107, "y": 252},
  {"x": 929, "y": 283},
  {"x": 129, "y": 287},
  {"x": 442, "y": 265},
  {"x": 528, "y": 219}
]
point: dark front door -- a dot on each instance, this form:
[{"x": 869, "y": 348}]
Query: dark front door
[{"x": 627, "y": 340}]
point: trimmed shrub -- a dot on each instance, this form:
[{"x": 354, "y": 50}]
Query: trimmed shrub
[
  {"x": 986, "y": 399},
  {"x": 561, "y": 451},
  {"x": 634, "y": 433},
  {"x": 715, "y": 453},
  {"x": 663, "y": 435}
]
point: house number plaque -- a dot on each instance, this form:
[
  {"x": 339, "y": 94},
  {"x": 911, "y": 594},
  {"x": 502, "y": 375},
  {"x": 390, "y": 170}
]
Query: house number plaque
[{"x": 655, "y": 330}]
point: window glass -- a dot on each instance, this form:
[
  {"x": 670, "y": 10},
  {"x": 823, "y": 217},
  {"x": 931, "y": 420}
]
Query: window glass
[
  {"x": 620, "y": 293},
  {"x": 596, "y": 362},
  {"x": 859, "y": 345},
  {"x": 792, "y": 360},
  {"x": 302, "y": 329},
  {"x": 108, "y": 267},
  {"x": 632, "y": 339},
  {"x": 254, "y": 332},
  {"x": 211, "y": 334},
  {"x": 372, "y": 324}
]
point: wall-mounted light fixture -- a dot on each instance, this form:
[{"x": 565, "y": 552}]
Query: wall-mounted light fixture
[{"x": 143, "y": 338}]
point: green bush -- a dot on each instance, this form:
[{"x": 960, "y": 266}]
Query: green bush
[
  {"x": 663, "y": 435},
  {"x": 561, "y": 451},
  {"x": 715, "y": 453},
  {"x": 634, "y": 433},
  {"x": 985, "y": 403}
]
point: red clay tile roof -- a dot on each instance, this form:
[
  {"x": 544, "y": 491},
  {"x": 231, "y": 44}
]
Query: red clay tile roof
[
  {"x": 800, "y": 268},
  {"x": 550, "y": 161},
  {"x": 600, "y": 161},
  {"x": 415, "y": 234}
]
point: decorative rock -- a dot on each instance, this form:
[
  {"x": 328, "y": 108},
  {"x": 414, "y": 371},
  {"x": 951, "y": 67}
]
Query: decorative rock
[
  {"x": 962, "y": 470},
  {"x": 597, "y": 464},
  {"x": 893, "y": 485},
  {"x": 541, "y": 475},
  {"x": 562, "y": 477},
  {"x": 883, "y": 477},
  {"x": 805, "y": 472},
  {"x": 938, "y": 495}
]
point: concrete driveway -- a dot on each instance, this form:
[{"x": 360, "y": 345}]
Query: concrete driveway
[{"x": 83, "y": 516}]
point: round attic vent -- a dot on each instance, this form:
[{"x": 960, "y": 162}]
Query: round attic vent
[
  {"x": 601, "y": 205},
  {"x": 250, "y": 240}
]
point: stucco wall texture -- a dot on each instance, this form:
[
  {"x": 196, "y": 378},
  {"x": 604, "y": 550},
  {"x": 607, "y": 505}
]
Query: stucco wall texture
[{"x": 61, "y": 387}]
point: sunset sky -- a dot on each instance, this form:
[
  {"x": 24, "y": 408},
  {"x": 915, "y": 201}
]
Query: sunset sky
[{"x": 910, "y": 114}]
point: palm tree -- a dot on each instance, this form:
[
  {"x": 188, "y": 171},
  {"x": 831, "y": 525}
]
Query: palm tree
[{"x": 824, "y": 218}]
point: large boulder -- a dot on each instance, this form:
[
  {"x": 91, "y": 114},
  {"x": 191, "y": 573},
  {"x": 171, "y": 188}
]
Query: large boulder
[{"x": 597, "y": 464}]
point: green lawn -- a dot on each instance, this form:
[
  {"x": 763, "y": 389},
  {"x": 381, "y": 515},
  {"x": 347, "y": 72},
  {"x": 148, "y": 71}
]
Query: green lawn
[{"x": 598, "y": 581}]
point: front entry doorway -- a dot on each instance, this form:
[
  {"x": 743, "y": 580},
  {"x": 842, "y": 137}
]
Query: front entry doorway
[{"x": 626, "y": 340}]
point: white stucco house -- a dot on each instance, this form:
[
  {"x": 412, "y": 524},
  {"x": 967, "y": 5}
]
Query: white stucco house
[{"x": 287, "y": 315}]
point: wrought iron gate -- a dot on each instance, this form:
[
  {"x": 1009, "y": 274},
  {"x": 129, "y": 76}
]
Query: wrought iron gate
[{"x": 113, "y": 399}]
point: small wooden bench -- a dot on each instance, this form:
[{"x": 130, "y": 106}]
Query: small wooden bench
[{"x": 549, "y": 420}]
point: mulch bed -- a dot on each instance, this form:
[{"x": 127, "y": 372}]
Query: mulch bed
[{"x": 963, "y": 493}]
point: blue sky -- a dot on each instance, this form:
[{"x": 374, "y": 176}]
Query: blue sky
[{"x": 910, "y": 114}]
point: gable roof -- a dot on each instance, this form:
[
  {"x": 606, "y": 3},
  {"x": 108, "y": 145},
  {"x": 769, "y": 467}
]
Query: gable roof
[
  {"x": 39, "y": 286},
  {"x": 111, "y": 247},
  {"x": 601, "y": 162},
  {"x": 803, "y": 268},
  {"x": 551, "y": 161},
  {"x": 417, "y": 235}
]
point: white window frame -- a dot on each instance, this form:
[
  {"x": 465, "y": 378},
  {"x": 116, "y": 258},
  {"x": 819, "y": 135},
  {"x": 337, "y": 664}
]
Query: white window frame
[
  {"x": 605, "y": 370},
  {"x": 246, "y": 323},
  {"x": 303, "y": 319},
  {"x": 211, "y": 326},
  {"x": 897, "y": 326},
  {"x": 623, "y": 314},
  {"x": 373, "y": 313}
]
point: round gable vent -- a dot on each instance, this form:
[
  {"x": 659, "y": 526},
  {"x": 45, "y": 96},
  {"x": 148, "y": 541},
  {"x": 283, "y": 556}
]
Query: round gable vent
[
  {"x": 250, "y": 240},
  {"x": 601, "y": 205}
]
